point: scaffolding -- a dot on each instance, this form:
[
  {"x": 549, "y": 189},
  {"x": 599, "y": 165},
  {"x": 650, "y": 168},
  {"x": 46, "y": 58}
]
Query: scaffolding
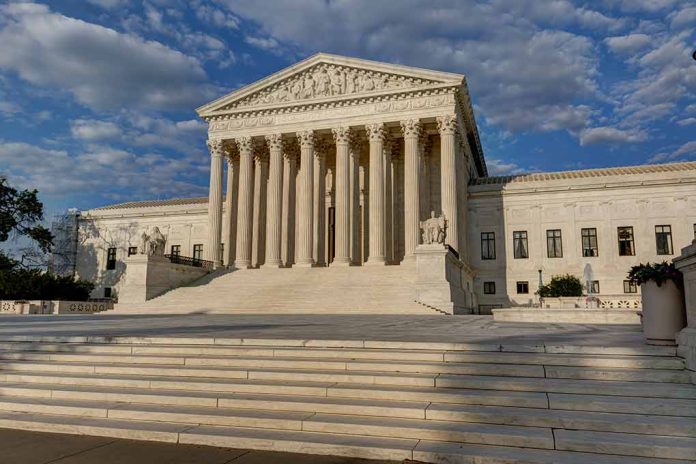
[{"x": 65, "y": 229}]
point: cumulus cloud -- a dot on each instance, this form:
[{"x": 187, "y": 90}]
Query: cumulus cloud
[
  {"x": 498, "y": 167},
  {"x": 684, "y": 153},
  {"x": 102, "y": 68},
  {"x": 87, "y": 129},
  {"x": 628, "y": 44},
  {"x": 607, "y": 134}
]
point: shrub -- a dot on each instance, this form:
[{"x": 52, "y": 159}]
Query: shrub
[
  {"x": 659, "y": 272},
  {"x": 564, "y": 285},
  {"x": 32, "y": 284}
]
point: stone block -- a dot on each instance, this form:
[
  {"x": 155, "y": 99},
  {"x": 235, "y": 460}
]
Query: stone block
[{"x": 147, "y": 277}]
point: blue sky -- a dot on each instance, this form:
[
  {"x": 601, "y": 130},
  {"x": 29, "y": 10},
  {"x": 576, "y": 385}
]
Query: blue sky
[{"x": 97, "y": 97}]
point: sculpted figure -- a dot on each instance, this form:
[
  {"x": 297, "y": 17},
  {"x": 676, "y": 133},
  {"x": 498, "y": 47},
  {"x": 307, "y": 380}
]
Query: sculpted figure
[
  {"x": 368, "y": 83},
  {"x": 336, "y": 81},
  {"x": 144, "y": 243},
  {"x": 296, "y": 89},
  {"x": 157, "y": 242},
  {"x": 433, "y": 230},
  {"x": 351, "y": 82},
  {"x": 308, "y": 86},
  {"x": 322, "y": 83},
  {"x": 282, "y": 94}
]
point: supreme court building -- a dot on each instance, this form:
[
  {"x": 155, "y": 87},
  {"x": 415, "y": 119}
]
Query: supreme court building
[{"x": 322, "y": 173}]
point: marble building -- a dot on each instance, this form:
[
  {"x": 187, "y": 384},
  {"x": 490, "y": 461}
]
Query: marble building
[{"x": 334, "y": 162}]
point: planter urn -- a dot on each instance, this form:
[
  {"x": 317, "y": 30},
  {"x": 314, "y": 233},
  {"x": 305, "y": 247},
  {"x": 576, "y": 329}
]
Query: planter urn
[{"x": 664, "y": 314}]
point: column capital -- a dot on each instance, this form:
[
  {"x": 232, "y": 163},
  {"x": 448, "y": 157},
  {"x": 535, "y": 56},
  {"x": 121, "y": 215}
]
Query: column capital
[
  {"x": 231, "y": 151},
  {"x": 411, "y": 128},
  {"x": 342, "y": 134},
  {"x": 216, "y": 148},
  {"x": 375, "y": 132},
  {"x": 321, "y": 147},
  {"x": 425, "y": 143},
  {"x": 447, "y": 125},
  {"x": 245, "y": 144},
  {"x": 306, "y": 139},
  {"x": 291, "y": 149},
  {"x": 274, "y": 141},
  {"x": 260, "y": 153}
]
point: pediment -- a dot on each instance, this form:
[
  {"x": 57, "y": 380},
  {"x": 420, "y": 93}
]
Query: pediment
[{"x": 326, "y": 77}]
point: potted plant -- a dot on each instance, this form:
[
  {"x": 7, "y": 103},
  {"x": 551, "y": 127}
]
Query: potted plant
[{"x": 661, "y": 287}]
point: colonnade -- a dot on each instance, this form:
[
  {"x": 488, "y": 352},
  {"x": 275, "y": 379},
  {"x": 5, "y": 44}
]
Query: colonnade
[{"x": 257, "y": 235}]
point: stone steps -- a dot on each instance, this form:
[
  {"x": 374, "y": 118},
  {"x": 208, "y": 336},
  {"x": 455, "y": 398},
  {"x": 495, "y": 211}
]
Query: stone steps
[{"x": 434, "y": 402}]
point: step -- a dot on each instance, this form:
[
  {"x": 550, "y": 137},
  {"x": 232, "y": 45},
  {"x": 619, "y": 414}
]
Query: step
[
  {"x": 454, "y": 453},
  {"x": 632, "y": 404},
  {"x": 651, "y": 446},
  {"x": 560, "y": 419},
  {"x": 568, "y": 386},
  {"x": 582, "y": 360},
  {"x": 628, "y": 375}
]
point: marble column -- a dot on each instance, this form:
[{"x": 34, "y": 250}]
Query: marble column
[
  {"x": 424, "y": 146},
  {"x": 398, "y": 193},
  {"x": 447, "y": 126},
  {"x": 343, "y": 201},
  {"x": 377, "y": 254},
  {"x": 274, "y": 200},
  {"x": 245, "y": 203},
  {"x": 258, "y": 246},
  {"x": 319, "y": 205},
  {"x": 354, "y": 148},
  {"x": 231, "y": 201},
  {"x": 388, "y": 201},
  {"x": 305, "y": 203},
  {"x": 212, "y": 251},
  {"x": 290, "y": 153},
  {"x": 412, "y": 131}
]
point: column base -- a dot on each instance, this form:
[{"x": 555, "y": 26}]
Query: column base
[
  {"x": 341, "y": 262},
  {"x": 377, "y": 261},
  {"x": 272, "y": 265},
  {"x": 309, "y": 263},
  {"x": 243, "y": 264}
]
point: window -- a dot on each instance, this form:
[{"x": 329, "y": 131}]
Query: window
[
  {"x": 132, "y": 251},
  {"x": 489, "y": 288},
  {"x": 176, "y": 250},
  {"x": 107, "y": 292},
  {"x": 198, "y": 251},
  {"x": 487, "y": 245},
  {"x": 523, "y": 287},
  {"x": 630, "y": 287},
  {"x": 589, "y": 242},
  {"x": 594, "y": 287},
  {"x": 554, "y": 243},
  {"x": 519, "y": 244},
  {"x": 626, "y": 241},
  {"x": 663, "y": 239},
  {"x": 111, "y": 258}
]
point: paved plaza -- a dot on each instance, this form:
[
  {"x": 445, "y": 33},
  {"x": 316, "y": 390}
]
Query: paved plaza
[{"x": 426, "y": 328}]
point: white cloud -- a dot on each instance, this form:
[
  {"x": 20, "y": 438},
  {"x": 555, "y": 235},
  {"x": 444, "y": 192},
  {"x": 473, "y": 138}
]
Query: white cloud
[
  {"x": 687, "y": 122},
  {"x": 683, "y": 18},
  {"x": 687, "y": 152},
  {"x": 109, "y": 4},
  {"x": 628, "y": 44},
  {"x": 102, "y": 68},
  {"x": 610, "y": 135},
  {"x": 87, "y": 129},
  {"x": 497, "y": 167}
]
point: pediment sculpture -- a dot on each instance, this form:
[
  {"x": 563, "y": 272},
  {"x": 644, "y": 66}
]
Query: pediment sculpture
[
  {"x": 328, "y": 80},
  {"x": 434, "y": 229},
  {"x": 153, "y": 244}
]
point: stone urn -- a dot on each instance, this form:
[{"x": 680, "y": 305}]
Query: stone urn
[{"x": 664, "y": 314}]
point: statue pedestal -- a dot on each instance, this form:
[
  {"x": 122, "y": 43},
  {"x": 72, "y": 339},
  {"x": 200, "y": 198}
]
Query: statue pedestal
[
  {"x": 686, "y": 339},
  {"x": 148, "y": 276},
  {"x": 440, "y": 278}
]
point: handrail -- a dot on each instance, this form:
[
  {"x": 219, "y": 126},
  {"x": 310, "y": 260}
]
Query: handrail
[{"x": 189, "y": 261}]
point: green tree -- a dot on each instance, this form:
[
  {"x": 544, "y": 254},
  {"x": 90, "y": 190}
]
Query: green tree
[
  {"x": 563, "y": 285},
  {"x": 20, "y": 215}
]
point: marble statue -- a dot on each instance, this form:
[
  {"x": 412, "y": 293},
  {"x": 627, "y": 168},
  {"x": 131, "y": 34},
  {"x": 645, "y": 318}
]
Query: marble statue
[
  {"x": 433, "y": 230},
  {"x": 152, "y": 245}
]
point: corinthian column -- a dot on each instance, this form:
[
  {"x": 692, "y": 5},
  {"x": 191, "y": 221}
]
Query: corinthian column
[
  {"x": 231, "y": 201},
  {"x": 355, "y": 220},
  {"x": 388, "y": 200},
  {"x": 343, "y": 191},
  {"x": 212, "y": 252},
  {"x": 447, "y": 126},
  {"x": 245, "y": 205},
  {"x": 258, "y": 243},
  {"x": 274, "y": 200},
  {"x": 377, "y": 211},
  {"x": 412, "y": 131},
  {"x": 305, "y": 210},
  {"x": 319, "y": 209},
  {"x": 287, "y": 246}
]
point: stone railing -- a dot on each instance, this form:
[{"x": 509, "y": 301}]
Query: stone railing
[
  {"x": 608, "y": 301},
  {"x": 188, "y": 261},
  {"x": 53, "y": 307}
]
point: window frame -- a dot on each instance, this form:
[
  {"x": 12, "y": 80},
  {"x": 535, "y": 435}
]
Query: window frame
[
  {"x": 489, "y": 287},
  {"x": 632, "y": 240},
  {"x": 197, "y": 254},
  {"x": 632, "y": 287},
  {"x": 488, "y": 238},
  {"x": 553, "y": 238},
  {"x": 523, "y": 238},
  {"x": 595, "y": 287},
  {"x": 523, "y": 283},
  {"x": 132, "y": 251},
  {"x": 588, "y": 235},
  {"x": 668, "y": 235},
  {"x": 175, "y": 250},
  {"x": 111, "y": 258}
]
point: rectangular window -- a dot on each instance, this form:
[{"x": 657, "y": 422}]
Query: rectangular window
[
  {"x": 132, "y": 251},
  {"x": 523, "y": 287},
  {"x": 554, "y": 243},
  {"x": 519, "y": 244},
  {"x": 176, "y": 250},
  {"x": 630, "y": 287},
  {"x": 198, "y": 251},
  {"x": 111, "y": 258},
  {"x": 594, "y": 287},
  {"x": 589, "y": 242},
  {"x": 489, "y": 288},
  {"x": 487, "y": 245},
  {"x": 663, "y": 240},
  {"x": 107, "y": 292},
  {"x": 626, "y": 247}
]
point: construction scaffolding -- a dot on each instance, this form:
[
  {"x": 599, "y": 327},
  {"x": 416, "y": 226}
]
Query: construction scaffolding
[{"x": 65, "y": 229}]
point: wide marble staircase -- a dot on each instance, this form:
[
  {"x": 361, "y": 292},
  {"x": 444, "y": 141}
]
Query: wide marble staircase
[
  {"x": 430, "y": 402},
  {"x": 341, "y": 290}
]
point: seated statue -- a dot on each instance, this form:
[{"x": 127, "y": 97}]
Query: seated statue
[
  {"x": 433, "y": 230},
  {"x": 157, "y": 243}
]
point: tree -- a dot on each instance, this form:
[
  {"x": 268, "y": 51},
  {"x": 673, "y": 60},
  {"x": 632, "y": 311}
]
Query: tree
[
  {"x": 20, "y": 215},
  {"x": 564, "y": 285}
]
